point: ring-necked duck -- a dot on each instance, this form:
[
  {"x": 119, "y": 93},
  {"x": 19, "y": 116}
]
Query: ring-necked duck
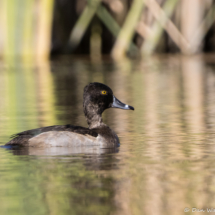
[{"x": 97, "y": 98}]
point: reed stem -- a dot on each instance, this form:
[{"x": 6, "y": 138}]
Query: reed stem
[
  {"x": 128, "y": 29},
  {"x": 82, "y": 24},
  {"x": 111, "y": 24},
  {"x": 151, "y": 42}
]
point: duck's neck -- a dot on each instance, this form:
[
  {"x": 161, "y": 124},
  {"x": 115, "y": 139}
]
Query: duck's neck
[{"x": 94, "y": 119}]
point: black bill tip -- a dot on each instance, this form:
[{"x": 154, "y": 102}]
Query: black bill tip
[{"x": 130, "y": 107}]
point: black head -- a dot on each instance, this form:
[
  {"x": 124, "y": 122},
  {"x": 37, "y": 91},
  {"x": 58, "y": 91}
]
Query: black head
[{"x": 98, "y": 97}]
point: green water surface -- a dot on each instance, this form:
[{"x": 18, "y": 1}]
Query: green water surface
[{"x": 167, "y": 154}]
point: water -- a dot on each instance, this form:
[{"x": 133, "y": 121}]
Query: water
[{"x": 166, "y": 159}]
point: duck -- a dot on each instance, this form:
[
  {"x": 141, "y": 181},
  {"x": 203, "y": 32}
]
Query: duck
[{"x": 97, "y": 97}]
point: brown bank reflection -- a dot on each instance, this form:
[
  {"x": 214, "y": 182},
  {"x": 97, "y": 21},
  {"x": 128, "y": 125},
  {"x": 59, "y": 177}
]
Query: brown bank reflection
[
  {"x": 165, "y": 161},
  {"x": 168, "y": 164}
]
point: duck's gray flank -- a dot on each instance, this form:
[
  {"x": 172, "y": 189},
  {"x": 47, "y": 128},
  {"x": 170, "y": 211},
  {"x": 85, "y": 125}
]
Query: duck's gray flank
[{"x": 22, "y": 138}]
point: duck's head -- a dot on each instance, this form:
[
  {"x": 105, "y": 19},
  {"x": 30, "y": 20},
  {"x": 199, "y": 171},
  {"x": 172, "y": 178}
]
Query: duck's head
[{"x": 99, "y": 97}]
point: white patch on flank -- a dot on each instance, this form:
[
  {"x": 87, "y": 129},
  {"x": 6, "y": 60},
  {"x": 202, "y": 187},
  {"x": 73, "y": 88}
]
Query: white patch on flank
[{"x": 126, "y": 106}]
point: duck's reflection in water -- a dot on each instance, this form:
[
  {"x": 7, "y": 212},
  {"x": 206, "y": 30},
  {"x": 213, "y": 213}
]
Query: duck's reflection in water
[{"x": 54, "y": 151}]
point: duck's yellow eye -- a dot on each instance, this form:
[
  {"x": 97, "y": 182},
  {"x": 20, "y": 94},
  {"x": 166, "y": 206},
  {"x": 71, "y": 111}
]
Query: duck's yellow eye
[{"x": 104, "y": 92}]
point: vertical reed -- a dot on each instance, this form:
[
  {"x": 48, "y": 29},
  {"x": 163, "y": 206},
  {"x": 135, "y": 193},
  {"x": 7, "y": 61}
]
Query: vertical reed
[
  {"x": 2, "y": 25},
  {"x": 44, "y": 24},
  {"x": 83, "y": 23},
  {"x": 25, "y": 28},
  {"x": 191, "y": 16},
  {"x": 202, "y": 29},
  {"x": 28, "y": 34},
  {"x": 160, "y": 24},
  {"x": 128, "y": 29},
  {"x": 110, "y": 23}
]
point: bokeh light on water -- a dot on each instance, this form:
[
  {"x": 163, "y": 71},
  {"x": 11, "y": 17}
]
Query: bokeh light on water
[{"x": 166, "y": 159}]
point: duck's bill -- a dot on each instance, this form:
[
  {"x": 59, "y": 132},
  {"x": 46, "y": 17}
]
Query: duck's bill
[{"x": 118, "y": 104}]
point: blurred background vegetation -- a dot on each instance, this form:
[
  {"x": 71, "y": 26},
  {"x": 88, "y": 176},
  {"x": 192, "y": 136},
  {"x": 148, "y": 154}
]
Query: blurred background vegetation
[{"x": 37, "y": 28}]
